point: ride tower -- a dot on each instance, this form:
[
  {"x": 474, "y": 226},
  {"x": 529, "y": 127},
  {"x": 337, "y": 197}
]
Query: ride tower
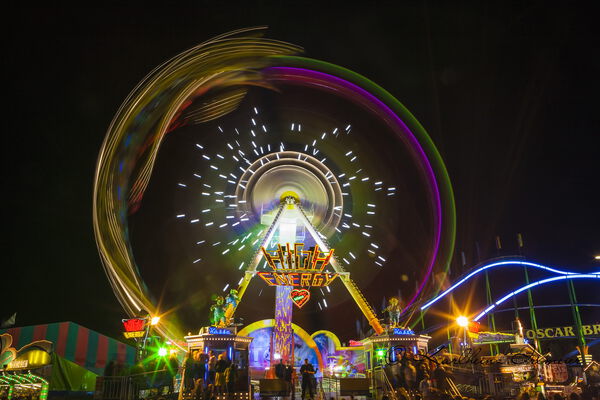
[{"x": 295, "y": 269}]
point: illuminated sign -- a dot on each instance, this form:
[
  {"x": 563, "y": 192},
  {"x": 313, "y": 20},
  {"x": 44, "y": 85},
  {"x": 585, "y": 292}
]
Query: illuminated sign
[
  {"x": 218, "y": 331},
  {"x": 564, "y": 331},
  {"x": 16, "y": 364},
  {"x": 294, "y": 266},
  {"x": 134, "y": 324},
  {"x": 400, "y": 331},
  {"x": 297, "y": 267},
  {"x": 297, "y": 279},
  {"x": 491, "y": 337},
  {"x": 298, "y": 258},
  {"x": 134, "y": 334},
  {"x": 299, "y": 297}
]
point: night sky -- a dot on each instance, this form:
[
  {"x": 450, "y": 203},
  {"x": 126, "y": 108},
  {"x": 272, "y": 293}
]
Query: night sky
[{"x": 508, "y": 92}]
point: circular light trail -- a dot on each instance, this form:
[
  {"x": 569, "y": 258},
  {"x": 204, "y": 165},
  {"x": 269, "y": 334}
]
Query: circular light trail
[{"x": 219, "y": 72}]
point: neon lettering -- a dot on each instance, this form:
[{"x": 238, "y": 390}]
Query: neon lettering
[
  {"x": 293, "y": 279},
  {"x": 318, "y": 280},
  {"x": 305, "y": 279},
  {"x": 267, "y": 277}
]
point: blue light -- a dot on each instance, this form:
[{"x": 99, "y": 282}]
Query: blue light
[
  {"x": 218, "y": 331},
  {"x": 537, "y": 283},
  {"x": 399, "y": 331},
  {"x": 492, "y": 265}
]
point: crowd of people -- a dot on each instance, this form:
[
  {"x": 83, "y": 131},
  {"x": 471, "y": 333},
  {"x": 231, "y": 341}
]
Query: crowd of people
[
  {"x": 208, "y": 375},
  {"x": 418, "y": 375},
  {"x": 420, "y": 378}
]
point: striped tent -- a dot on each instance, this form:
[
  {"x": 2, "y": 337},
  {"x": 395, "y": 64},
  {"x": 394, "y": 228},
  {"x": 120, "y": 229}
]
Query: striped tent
[{"x": 78, "y": 344}]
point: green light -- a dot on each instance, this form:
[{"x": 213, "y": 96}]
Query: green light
[
  {"x": 162, "y": 352},
  {"x": 380, "y": 353}
]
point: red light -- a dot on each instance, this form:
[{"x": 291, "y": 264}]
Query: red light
[
  {"x": 134, "y": 324},
  {"x": 474, "y": 327}
]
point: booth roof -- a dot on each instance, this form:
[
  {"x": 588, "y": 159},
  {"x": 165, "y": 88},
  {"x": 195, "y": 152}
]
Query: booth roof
[{"x": 80, "y": 345}]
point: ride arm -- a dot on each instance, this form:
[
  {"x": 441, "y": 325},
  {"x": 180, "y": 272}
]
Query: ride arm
[
  {"x": 251, "y": 270},
  {"x": 355, "y": 292}
]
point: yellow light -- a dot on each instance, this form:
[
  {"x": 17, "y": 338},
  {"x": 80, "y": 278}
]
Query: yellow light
[
  {"x": 154, "y": 320},
  {"x": 597, "y": 257},
  {"x": 462, "y": 321}
]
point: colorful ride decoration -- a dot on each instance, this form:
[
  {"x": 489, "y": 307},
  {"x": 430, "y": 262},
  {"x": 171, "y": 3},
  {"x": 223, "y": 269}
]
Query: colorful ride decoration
[
  {"x": 393, "y": 310},
  {"x": 217, "y": 312},
  {"x": 323, "y": 349}
]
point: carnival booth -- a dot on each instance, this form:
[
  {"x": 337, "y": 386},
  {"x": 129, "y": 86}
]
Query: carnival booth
[
  {"x": 230, "y": 346},
  {"x": 60, "y": 359}
]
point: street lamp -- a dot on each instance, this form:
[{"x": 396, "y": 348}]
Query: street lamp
[{"x": 463, "y": 322}]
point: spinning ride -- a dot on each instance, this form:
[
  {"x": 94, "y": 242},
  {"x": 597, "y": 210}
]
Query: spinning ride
[{"x": 324, "y": 188}]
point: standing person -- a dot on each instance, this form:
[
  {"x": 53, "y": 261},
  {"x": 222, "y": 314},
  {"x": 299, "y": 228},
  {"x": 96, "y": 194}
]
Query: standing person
[
  {"x": 425, "y": 387},
  {"x": 201, "y": 372},
  {"x": 439, "y": 376},
  {"x": 307, "y": 371},
  {"x": 230, "y": 378},
  {"x": 288, "y": 375},
  {"x": 212, "y": 363},
  {"x": 220, "y": 368},
  {"x": 280, "y": 369},
  {"x": 196, "y": 371}
]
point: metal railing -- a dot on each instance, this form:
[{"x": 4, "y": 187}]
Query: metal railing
[{"x": 126, "y": 387}]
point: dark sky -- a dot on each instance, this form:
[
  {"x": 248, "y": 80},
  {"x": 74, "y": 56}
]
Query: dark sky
[{"x": 508, "y": 92}]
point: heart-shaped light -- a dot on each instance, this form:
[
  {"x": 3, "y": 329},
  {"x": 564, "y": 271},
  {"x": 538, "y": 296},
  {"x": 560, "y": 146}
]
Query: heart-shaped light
[{"x": 300, "y": 297}]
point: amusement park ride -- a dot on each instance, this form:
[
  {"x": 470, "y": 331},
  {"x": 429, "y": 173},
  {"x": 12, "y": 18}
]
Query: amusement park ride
[{"x": 300, "y": 202}]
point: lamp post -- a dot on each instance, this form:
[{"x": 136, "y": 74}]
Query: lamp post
[
  {"x": 150, "y": 322},
  {"x": 463, "y": 322}
]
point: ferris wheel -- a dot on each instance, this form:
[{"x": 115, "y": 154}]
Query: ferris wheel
[{"x": 268, "y": 169}]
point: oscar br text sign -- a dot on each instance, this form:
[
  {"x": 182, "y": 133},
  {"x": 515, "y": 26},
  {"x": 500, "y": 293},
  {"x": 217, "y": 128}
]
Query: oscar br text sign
[{"x": 563, "y": 331}]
